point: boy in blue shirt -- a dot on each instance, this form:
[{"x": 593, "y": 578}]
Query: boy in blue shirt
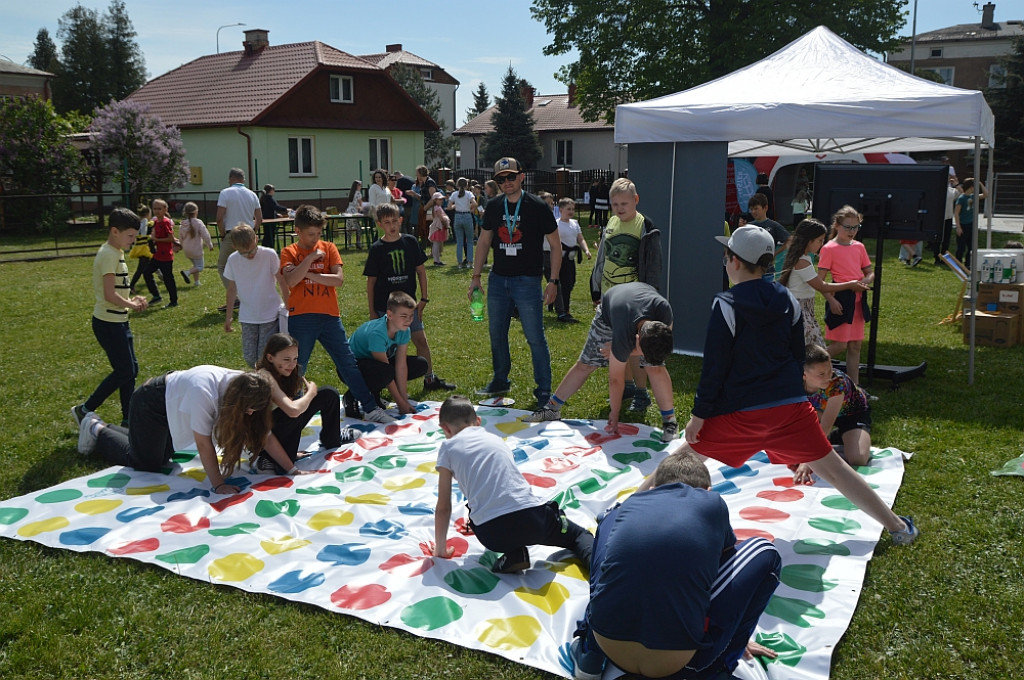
[{"x": 381, "y": 350}]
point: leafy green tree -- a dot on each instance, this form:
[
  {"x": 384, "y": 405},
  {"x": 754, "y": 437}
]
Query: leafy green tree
[
  {"x": 438, "y": 148},
  {"x": 513, "y": 133},
  {"x": 100, "y": 60},
  {"x": 44, "y": 54},
  {"x": 138, "y": 150},
  {"x": 36, "y": 158},
  {"x": 1006, "y": 107},
  {"x": 481, "y": 102},
  {"x": 632, "y": 51}
]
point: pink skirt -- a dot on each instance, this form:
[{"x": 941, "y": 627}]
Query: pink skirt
[{"x": 849, "y": 331}]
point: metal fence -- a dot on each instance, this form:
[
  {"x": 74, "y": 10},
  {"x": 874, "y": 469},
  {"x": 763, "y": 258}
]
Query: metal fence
[{"x": 1008, "y": 193}]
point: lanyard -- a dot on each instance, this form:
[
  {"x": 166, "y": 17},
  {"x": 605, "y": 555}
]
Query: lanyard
[{"x": 512, "y": 220}]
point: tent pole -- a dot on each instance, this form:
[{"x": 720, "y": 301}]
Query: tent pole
[
  {"x": 974, "y": 257},
  {"x": 989, "y": 204}
]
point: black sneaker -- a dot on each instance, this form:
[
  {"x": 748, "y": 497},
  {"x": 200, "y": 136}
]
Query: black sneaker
[
  {"x": 184, "y": 275},
  {"x": 170, "y": 304},
  {"x": 568, "y": 318},
  {"x": 224, "y": 308},
  {"x": 493, "y": 390},
  {"x": 155, "y": 300},
  {"x": 513, "y": 562},
  {"x": 436, "y": 382},
  {"x": 262, "y": 465},
  {"x": 78, "y": 413}
]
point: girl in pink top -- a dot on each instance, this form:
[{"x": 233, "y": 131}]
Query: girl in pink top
[
  {"x": 194, "y": 237},
  {"x": 846, "y": 259}
]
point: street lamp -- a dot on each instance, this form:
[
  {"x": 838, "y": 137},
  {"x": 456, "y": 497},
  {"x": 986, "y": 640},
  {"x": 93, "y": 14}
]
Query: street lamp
[{"x": 225, "y": 26}]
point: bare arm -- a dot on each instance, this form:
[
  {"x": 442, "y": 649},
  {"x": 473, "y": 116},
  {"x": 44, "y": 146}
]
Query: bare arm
[
  {"x": 294, "y": 274},
  {"x": 371, "y": 281},
  {"x": 110, "y": 294},
  {"x": 229, "y": 304},
  {"x": 616, "y": 383},
  {"x": 208, "y": 457},
  {"x": 443, "y": 513},
  {"x": 483, "y": 247}
]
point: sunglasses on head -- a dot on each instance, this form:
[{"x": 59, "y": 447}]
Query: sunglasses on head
[{"x": 501, "y": 179}]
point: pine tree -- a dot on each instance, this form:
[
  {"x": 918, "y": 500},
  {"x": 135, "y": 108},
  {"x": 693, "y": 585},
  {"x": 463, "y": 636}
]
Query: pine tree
[
  {"x": 126, "y": 65},
  {"x": 437, "y": 147},
  {"x": 80, "y": 85},
  {"x": 513, "y": 133},
  {"x": 44, "y": 55},
  {"x": 481, "y": 102}
]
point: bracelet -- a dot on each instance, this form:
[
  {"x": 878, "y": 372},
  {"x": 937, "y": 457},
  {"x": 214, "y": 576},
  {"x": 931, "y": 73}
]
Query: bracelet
[
  {"x": 218, "y": 486},
  {"x": 424, "y": 299},
  {"x": 292, "y": 471}
]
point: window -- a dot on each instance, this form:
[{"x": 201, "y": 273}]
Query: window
[
  {"x": 341, "y": 89},
  {"x": 301, "y": 160},
  {"x": 426, "y": 73},
  {"x": 380, "y": 154},
  {"x": 997, "y": 75},
  {"x": 563, "y": 153},
  {"x": 935, "y": 53},
  {"x": 944, "y": 72}
]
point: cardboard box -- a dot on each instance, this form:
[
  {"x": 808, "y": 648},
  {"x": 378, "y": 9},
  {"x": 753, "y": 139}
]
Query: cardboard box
[
  {"x": 992, "y": 329},
  {"x": 1008, "y": 298},
  {"x": 1000, "y": 266}
]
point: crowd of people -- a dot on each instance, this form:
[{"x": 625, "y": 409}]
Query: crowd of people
[{"x": 767, "y": 383}]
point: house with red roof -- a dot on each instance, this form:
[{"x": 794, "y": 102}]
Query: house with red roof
[
  {"x": 567, "y": 140},
  {"x": 303, "y": 115}
]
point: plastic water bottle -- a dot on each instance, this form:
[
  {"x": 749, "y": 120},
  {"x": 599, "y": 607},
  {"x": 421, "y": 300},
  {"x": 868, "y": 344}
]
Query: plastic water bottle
[
  {"x": 1013, "y": 271},
  {"x": 986, "y": 271},
  {"x": 1008, "y": 272},
  {"x": 999, "y": 271},
  {"x": 476, "y": 305}
]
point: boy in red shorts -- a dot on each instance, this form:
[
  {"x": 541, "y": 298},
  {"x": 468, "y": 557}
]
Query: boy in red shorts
[{"x": 751, "y": 395}]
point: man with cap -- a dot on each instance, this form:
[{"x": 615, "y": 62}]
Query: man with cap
[
  {"x": 751, "y": 393},
  {"x": 515, "y": 225}
]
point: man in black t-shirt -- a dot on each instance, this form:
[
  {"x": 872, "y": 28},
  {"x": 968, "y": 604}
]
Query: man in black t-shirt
[{"x": 515, "y": 226}]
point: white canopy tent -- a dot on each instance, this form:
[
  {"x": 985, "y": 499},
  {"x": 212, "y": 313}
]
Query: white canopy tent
[{"x": 819, "y": 94}]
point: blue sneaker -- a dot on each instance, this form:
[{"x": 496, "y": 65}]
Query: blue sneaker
[
  {"x": 586, "y": 665},
  {"x": 641, "y": 401},
  {"x": 906, "y": 536}
]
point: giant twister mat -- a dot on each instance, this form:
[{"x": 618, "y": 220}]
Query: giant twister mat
[{"x": 354, "y": 537}]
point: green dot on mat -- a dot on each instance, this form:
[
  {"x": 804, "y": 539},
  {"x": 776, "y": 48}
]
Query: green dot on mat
[
  {"x": 590, "y": 485},
  {"x": 867, "y": 470},
  {"x": 431, "y": 613},
  {"x": 185, "y": 555},
  {"x": 59, "y": 496},
  {"x": 183, "y": 456},
  {"x": 417, "y": 448},
  {"x": 838, "y": 503},
  {"x": 808, "y": 577},
  {"x": 389, "y": 462},
  {"x": 567, "y": 499},
  {"x": 12, "y": 515},
  {"x": 652, "y": 444},
  {"x": 635, "y": 457},
  {"x": 288, "y": 507},
  {"x": 882, "y": 453},
  {"x": 115, "y": 480},
  {"x": 789, "y": 650},
  {"x": 793, "y": 610},
  {"x": 243, "y": 528},
  {"x": 835, "y": 526},
  {"x": 359, "y": 473},
  {"x": 610, "y": 474},
  {"x": 819, "y": 546},
  {"x": 318, "y": 490},
  {"x": 472, "y": 581}
]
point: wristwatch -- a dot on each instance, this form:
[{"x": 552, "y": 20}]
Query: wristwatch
[{"x": 554, "y": 281}]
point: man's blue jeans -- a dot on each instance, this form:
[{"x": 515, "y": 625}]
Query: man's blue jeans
[
  {"x": 524, "y": 293},
  {"x": 308, "y": 328}
]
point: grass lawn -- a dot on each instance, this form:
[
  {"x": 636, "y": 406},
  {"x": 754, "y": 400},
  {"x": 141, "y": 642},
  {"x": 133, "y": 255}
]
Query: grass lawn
[{"x": 950, "y": 606}]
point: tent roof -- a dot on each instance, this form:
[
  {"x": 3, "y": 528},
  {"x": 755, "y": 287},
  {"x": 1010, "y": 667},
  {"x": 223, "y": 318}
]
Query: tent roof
[{"x": 819, "y": 94}]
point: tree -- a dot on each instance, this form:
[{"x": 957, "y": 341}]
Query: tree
[
  {"x": 513, "y": 133},
  {"x": 1005, "y": 102},
  {"x": 437, "y": 147},
  {"x": 138, "y": 150},
  {"x": 36, "y": 158},
  {"x": 481, "y": 102},
  {"x": 632, "y": 51},
  {"x": 100, "y": 60},
  {"x": 44, "y": 54}
]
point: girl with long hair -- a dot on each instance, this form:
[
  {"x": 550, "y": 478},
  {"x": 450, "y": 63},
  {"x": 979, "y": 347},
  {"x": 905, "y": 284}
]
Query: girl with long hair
[
  {"x": 379, "y": 192},
  {"x": 799, "y": 275},
  {"x": 194, "y": 236},
  {"x": 465, "y": 206},
  {"x": 209, "y": 405},
  {"x": 294, "y": 402}
]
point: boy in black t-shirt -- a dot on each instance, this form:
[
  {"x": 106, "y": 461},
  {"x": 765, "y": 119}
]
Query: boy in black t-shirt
[{"x": 395, "y": 262}]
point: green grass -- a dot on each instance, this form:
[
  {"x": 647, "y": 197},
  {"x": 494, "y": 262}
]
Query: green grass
[{"x": 951, "y": 606}]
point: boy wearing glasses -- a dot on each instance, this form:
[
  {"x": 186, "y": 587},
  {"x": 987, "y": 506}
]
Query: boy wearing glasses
[
  {"x": 251, "y": 273},
  {"x": 516, "y": 225}
]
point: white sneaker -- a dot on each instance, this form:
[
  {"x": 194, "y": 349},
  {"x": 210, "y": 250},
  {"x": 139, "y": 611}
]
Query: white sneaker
[
  {"x": 379, "y": 415},
  {"x": 86, "y": 436}
]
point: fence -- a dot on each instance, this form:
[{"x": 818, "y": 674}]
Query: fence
[
  {"x": 1008, "y": 193},
  {"x": 572, "y": 183}
]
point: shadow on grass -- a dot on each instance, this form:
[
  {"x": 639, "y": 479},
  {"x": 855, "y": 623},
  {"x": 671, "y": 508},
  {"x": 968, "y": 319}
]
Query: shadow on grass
[{"x": 52, "y": 469}]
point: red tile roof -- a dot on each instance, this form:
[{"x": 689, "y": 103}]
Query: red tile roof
[
  {"x": 551, "y": 113},
  {"x": 233, "y": 88}
]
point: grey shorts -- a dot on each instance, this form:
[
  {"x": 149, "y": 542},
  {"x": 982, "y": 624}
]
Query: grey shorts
[
  {"x": 600, "y": 333},
  {"x": 254, "y": 339}
]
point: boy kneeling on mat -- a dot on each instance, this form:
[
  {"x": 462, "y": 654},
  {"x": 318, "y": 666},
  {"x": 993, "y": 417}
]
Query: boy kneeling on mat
[{"x": 503, "y": 512}]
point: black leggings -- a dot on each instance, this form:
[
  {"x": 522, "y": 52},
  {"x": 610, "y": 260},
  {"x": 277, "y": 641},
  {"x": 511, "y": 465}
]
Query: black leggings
[
  {"x": 540, "y": 525},
  {"x": 289, "y": 430},
  {"x": 146, "y": 444},
  {"x": 167, "y": 268}
]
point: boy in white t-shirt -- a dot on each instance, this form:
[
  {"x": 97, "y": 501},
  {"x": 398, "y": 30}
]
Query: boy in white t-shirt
[
  {"x": 251, "y": 273},
  {"x": 503, "y": 512},
  {"x": 571, "y": 236}
]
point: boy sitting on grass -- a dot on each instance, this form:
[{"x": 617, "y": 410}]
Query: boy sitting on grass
[
  {"x": 839, "y": 402},
  {"x": 381, "y": 349},
  {"x": 751, "y": 396},
  {"x": 503, "y": 512}
]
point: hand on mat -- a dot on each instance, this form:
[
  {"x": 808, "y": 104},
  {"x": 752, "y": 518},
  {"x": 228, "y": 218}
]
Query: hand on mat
[
  {"x": 802, "y": 474},
  {"x": 226, "y": 489},
  {"x": 692, "y": 431},
  {"x": 754, "y": 649},
  {"x": 613, "y": 425},
  {"x": 444, "y": 551}
]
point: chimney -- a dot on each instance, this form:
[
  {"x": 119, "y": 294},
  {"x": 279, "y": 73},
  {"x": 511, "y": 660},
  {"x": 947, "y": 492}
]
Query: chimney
[
  {"x": 527, "y": 93},
  {"x": 572, "y": 95},
  {"x": 397, "y": 47},
  {"x": 988, "y": 16},
  {"x": 255, "y": 41}
]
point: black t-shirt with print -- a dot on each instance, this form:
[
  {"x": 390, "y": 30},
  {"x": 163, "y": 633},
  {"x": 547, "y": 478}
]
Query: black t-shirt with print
[
  {"x": 518, "y": 243},
  {"x": 394, "y": 264}
]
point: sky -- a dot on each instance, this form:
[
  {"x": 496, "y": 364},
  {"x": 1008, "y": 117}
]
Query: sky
[{"x": 476, "y": 44}]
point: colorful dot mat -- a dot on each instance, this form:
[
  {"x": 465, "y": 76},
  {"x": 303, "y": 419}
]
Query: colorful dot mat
[{"x": 353, "y": 537}]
